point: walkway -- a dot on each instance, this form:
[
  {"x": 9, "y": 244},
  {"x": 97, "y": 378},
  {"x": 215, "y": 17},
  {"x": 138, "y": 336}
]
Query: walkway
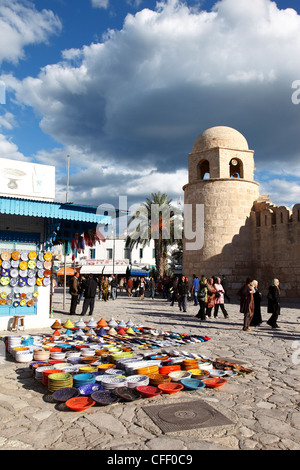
[{"x": 263, "y": 406}]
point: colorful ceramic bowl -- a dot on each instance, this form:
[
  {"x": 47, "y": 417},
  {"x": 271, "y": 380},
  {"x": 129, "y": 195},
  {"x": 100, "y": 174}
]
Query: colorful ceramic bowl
[
  {"x": 80, "y": 403},
  {"x": 170, "y": 388}
]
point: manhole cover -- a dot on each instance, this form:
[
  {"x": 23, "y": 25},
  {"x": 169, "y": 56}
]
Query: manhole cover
[
  {"x": 177, "y": 415},
  {"x": 186, "y": 415}
]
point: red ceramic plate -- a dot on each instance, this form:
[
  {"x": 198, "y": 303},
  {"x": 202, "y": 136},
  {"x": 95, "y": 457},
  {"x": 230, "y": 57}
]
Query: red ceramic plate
[
  {"x": 165, "y": 370},
  {"x": 170, "y": 388},
  {"x": 147, "y": 391},
  {"x": 80, "y": 403},
  {"x": 214, "y": 382}
]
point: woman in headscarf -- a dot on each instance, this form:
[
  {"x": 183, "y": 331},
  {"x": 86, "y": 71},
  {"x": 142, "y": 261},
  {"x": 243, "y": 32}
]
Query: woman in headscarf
[
  {"x": 274, "y": 303},
  {"x": 256, "y": 319},
  {"x": 211, "y": 298},
  {"x": 219, "y": 302},
  {"x": 247, "y": 303},
  {"x": 202, "y": 297}
]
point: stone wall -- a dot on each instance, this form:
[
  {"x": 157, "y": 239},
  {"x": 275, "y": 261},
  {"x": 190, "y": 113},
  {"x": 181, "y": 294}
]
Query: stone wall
[
  {"x": 276, "y": 246},
  {"x": 227, "y": 245}
]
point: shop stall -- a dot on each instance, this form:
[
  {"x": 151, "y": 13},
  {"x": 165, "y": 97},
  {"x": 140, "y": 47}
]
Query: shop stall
[{"x": 30, "y": 224}]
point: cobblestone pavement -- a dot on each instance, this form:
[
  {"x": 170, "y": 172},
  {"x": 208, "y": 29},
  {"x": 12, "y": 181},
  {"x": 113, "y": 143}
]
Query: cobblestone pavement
[{"x": 263, "y": 406}]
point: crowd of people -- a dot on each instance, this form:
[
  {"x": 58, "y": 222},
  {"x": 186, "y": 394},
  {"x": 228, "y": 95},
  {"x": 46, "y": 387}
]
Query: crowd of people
[{"x": 209, "y": 294}]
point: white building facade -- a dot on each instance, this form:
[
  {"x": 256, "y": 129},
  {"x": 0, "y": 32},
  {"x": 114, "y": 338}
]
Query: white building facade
[{"x": 112, "y": 257}]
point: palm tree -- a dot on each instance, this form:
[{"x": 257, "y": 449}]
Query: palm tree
[{"x": 156, "y": 219}]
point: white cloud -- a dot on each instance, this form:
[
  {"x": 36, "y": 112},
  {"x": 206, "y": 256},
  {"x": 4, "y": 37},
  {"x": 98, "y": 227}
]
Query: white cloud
[
  {"x": 100, "y": 3},
  {"x": 7, "y": 121},
  {"x": 139, "y": 99},
  {"x": 284, "y": 192},
  {"x": 21, "y": 24},
  {"x": 9, "y": 149}
]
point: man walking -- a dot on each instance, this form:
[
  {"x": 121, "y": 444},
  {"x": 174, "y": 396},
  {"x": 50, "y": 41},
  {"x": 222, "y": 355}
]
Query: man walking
[
  {"x": 195, "y": 289},
  {"x": 113, "y": 286},
  {"x": 74, "y": 286},
  {"x": 129, "y": 287},
  {"x": 89, "y": 295}
]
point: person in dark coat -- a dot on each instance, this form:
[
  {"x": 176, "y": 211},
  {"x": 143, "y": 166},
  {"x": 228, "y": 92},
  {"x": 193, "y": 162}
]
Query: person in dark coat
[
  {"x": 257, "y": 296},
  {"x": 247, "y": 303},
  {"x": 183, "y": 290},
  {"x": 174, "y": 291},
  {"x": 202, "y": 298},
  {"x": 224, "y": 283},
  {"x": 89, "y": 295},
  {"x": 74, "y": 291},
  {"x": 274, "y": 303}
]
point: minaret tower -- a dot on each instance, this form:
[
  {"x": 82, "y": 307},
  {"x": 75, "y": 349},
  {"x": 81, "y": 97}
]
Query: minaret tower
[{"x": 221, "y": 178}]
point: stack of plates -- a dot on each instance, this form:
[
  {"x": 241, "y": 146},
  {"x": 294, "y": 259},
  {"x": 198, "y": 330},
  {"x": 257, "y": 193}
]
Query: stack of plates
[
  {"x": 121, "y": 355},
  {"x": 217, "y": 373},
  {"x": 178, "y": 375},
  {"x": 156, "y": 379},
  {"x": 13, "y": 341},
  {"x": 87, "y": 352},
  {"x": 121, "y": 363},
  {"x": 135, "y": 380},
  {"x": 102, "y": 368},
  {"x": 46, "y": 373},
  {"x": 67, "y": 369},
  {"x": 189, "y": 364},
  {"x": 132, "y": 369},
  {"x": 82, "y": 379},
  {"x": 205, "y": 365},
  {"x": 39, "y": 372},
  {"x": 110, "y": 383},
  {"x": 114, "y": 372},
  {"x": 148, "y": 370},
  {"x": 59, "y": 380},
  {"x": 88, "y": 369}
]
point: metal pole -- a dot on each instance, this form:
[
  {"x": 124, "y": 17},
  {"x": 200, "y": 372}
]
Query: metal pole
[
  {"x": 68, "y": 168},
  {"x": 113, "y": 253},
  {"x": 65, "y": 279},
  {"x": 65, "y": 258}
]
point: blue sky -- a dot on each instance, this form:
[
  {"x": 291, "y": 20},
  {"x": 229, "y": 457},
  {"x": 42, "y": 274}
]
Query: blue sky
[{"x": 125, "y": 87}]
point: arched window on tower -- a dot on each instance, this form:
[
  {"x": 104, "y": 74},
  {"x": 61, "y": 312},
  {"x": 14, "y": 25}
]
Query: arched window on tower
[
  {"x": 203, "y": 170},
  {"x": 236, "y": 168}
]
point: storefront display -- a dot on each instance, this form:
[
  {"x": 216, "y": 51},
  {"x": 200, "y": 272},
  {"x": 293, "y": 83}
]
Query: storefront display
[{"x": 22, "y": 272}]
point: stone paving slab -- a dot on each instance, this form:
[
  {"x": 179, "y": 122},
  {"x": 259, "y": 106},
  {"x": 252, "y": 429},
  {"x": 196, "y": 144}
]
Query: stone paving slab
[{"x": 263, "y": 406}]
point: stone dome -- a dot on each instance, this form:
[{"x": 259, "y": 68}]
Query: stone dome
[{"x": 220, "y": 136}]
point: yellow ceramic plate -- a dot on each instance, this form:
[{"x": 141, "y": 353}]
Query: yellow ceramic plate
[
  {"x": 39, "y": 281},
  {"x": 23, "y": 265},
  {"x": 48, "y": 256},
  {"x": 4, "y": 281},
  {"x": 31, "y": 264},
  {"x": 32, "y": 255}
]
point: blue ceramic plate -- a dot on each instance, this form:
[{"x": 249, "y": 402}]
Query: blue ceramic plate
[
  {"x": 105, "y": 397},
  {"x": 88, "y": 389},
  {"x": 192, "y": 384},
  {"x": 64, "y": 394}
]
